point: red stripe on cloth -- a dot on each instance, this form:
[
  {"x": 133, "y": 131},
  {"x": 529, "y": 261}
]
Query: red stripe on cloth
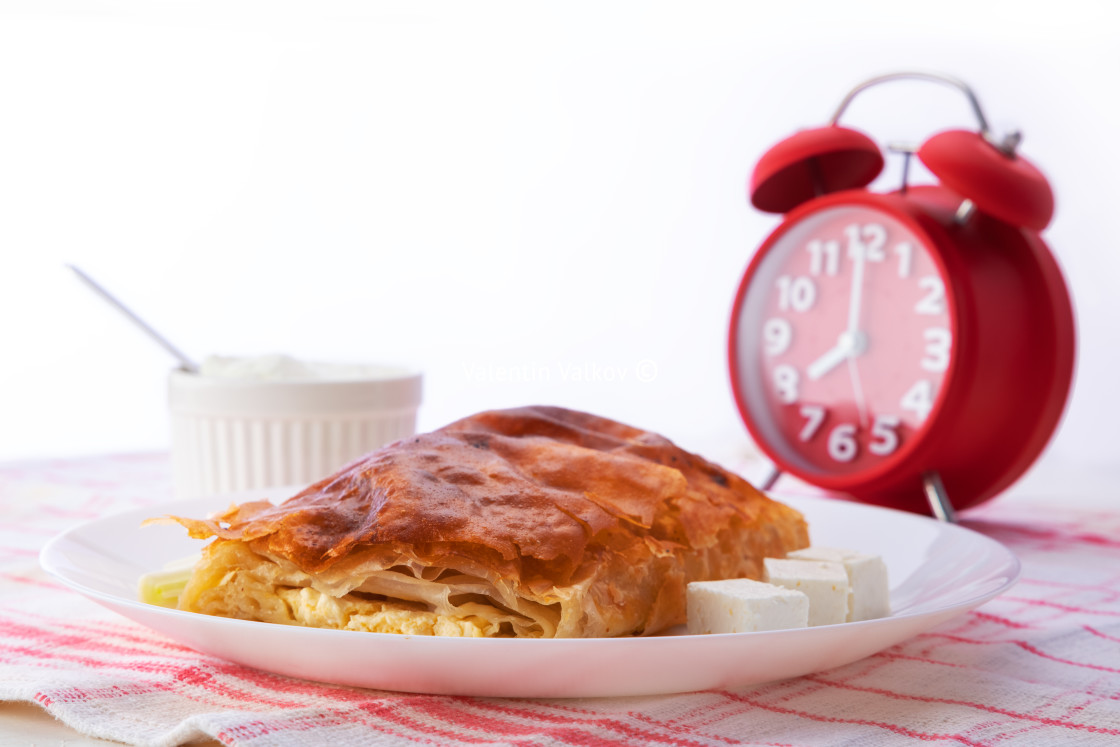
[
  {"x": 124, "y": 632},
  {"x": 1062, "y": 607},
  {"x": 282, "y": 722},
  {"x": 895, "y": 728},
  {"x": 22, "y": 631},
  {"x": 19, "y": 552},
  {"x": 94, "y": 693},
  {"x": 179, "y": 653},
  {"x": 351, "y": 716},
  {"x": 713, "y": 737},
  {"x": 1037, "y": 652},
  {"x": 391, "y": 714},
  {"x": 1000, "y": 620},
  {"x": 29, "y": 581},
  {"x": 1098, "y": 633},
  {"x": 799, "y": 688},
  {"x": 441, "y": 709},
  {"x": 627, "y": 730},
  {"x": 563, "y": 713},
  {"x": 1110, "y": 590},
  {"x": 21, "y": 528},
  {"x": 920, "y": 659},
  {"x": 127, "y": 632},
  {"x": 695, "y": 714},
  {"x": 97, "y": 503},
  {"x": 358, "y": 698},
  {"x": 968, "y": 704},
  {"x": 39, "y": 656},
  {"x": 325, "y": 693},
  {"x": 198, "y": 676},
  {"x": 1023, "y": 645},
  {"x": 307, "y": 724},
  {"x": 1067, "y": 536},
  {"x": 274, "y": 683},
  {"x": 192, "y": 674},
  {"x": 79, "y": 694},
  {"x": 249, "y": 730},
  {"x": 70, "y": 513}
]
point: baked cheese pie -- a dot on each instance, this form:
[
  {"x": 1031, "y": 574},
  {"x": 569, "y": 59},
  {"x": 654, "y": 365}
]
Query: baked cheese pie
[{"x": 536, "y": 522}]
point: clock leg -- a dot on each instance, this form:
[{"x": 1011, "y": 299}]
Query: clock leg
[
  {"x": 771, "y": 478},
  {"x": 938, "y": 498}
]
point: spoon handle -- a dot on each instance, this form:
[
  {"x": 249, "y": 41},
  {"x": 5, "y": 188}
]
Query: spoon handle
[{"x": 187, "y": 363}]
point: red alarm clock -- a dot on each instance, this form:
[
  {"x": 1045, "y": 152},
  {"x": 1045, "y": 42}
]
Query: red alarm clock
[{"x": 912, "y": 349}]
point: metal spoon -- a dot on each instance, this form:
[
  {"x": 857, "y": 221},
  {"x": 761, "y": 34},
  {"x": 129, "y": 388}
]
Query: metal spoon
[{"x": 186, "y": 363}]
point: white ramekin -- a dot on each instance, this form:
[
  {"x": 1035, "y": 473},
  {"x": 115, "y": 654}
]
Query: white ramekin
[{"x": 230, "y": 435}]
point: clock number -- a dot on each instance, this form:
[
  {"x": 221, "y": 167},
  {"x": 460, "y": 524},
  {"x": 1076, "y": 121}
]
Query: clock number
[
  {"x": 797, "y": 293},
  {"x": 842, "y": 445},
  {"x": 814, "y": 416},
  {"x": 785, "y": 381},
  {"x": 905, "y": 252},
  {"x": 867, "y": 242},
  {"x": 884, "y": 436},
  {"x": 938, "y": 341},
  {"x": 933, "y": 302},
  {"x": 918, "y": 399},
  {"x": 824, "y": 256},
  {"x": 777, "y": 334},
  {"x": 875, "y": 238}
]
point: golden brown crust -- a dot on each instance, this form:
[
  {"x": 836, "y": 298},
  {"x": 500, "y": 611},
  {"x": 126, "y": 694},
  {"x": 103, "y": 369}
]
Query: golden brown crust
[{"x": 539, "y": 497}]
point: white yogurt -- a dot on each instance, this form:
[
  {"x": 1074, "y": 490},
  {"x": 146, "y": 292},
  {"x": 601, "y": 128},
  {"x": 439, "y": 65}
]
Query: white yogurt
[{"x": 278, "y": 367}]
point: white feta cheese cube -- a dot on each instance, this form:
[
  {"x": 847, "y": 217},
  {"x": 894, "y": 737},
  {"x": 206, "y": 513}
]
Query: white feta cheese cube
[
  {"x": 825, "y": 583},
  {"x": 740, "y": 605},
  {"x": 869, "y": 595}
]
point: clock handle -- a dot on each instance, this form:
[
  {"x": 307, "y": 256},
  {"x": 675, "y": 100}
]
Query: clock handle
[
  {"x": 918, "y": 75},
  {"x": 938, "y": 498}
]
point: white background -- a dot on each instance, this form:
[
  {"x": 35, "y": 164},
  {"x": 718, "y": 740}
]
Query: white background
[{"x": 532, "y": 203}]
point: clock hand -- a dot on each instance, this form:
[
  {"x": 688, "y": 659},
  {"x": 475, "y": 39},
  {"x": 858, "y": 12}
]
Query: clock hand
[
  {"x": 844, "y": 348},
  {"x": 857, "y": 391},
  {"x": 847, "y": 346},
  {"x": 855, "y": 298},
  {"x": 858, "y": 253},
  {"x": 827, "y": 362}
]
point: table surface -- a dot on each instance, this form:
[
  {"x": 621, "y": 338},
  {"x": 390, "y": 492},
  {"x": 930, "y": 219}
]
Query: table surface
[{"x": 1040, "y": 663}]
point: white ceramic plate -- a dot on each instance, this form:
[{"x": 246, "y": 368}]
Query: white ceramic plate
[{"x": 937, "y": 571}]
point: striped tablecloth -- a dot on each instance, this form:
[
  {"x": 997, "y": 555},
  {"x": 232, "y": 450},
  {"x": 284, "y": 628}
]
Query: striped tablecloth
[{"x": 1037, "y": 666}]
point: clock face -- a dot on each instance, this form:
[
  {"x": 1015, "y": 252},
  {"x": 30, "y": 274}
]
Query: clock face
[{"x": 843, "y": 340}]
